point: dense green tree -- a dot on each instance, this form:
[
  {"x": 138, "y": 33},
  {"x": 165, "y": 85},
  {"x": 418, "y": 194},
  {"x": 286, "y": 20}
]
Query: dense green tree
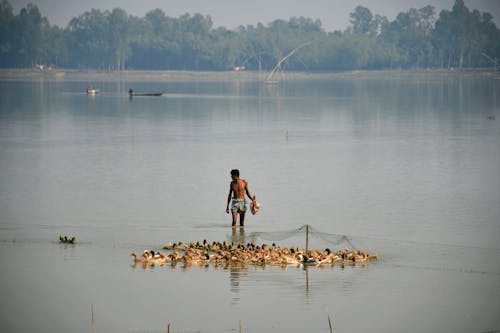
[
  {"x": 461, "y": 37},
  {"x": 115, "y": 40},
  {"x": 154, "y": 45},
  {"x": 7, "y": 47},
  {"x": 411, "y": 33},
  {"x": 254, "y": 47},
  {"x": 28, "y": 36},
  {"x": 119, "y": 36},
  {"x": 56, "y": 47},
  {"x": 195, "y": 40},
  {"x": 362, "y": 21},
  {"x": 88, "y": 40},
  {"x": 489, "y": 41}
]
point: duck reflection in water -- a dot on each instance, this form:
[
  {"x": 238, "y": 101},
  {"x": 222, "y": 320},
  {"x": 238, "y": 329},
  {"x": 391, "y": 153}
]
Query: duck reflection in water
[{"x": 237, "y": 270}]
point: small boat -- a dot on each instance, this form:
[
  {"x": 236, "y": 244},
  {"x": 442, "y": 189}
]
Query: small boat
[
  {"x": 132, "y": 93},
  {"x": 271, "y": 82},
  {"x": 92, "y": 91}
]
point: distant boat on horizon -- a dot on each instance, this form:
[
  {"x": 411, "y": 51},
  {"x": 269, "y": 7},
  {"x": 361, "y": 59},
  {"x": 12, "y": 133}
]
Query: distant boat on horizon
[
  {"x": 92, "y": 91},
  {"x": 132, "y": 93}
]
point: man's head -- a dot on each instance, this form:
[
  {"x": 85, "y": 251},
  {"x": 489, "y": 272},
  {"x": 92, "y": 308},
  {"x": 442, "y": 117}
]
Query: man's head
[{"x": 235, "y": 173}]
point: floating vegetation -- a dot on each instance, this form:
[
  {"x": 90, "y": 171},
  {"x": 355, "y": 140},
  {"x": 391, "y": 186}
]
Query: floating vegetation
[
  {"x": 66, "y": 239},
  {"x": 223, "y": 253}
]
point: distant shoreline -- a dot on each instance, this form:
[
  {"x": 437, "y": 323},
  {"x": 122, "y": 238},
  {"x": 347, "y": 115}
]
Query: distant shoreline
[{"x": 226, "y": 76}]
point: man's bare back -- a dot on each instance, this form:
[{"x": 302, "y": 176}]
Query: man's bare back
[
  {"x": 237, "y": 190},
  {"x": 239, "y": 187}
]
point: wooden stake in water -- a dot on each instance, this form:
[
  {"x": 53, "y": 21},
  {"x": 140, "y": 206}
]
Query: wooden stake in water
[
  {"x": 168, "y": 328},
  {"x": 241, "y": 327},
  {"x": 92, "y": 323},
  {"x": 307, "y": 238},
  {"x": 330, "y": 323}
]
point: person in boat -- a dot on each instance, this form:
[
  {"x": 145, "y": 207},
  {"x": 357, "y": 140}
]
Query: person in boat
[
  {"x": 130, "y": 92},
  {"x": 236, "y": 197}
]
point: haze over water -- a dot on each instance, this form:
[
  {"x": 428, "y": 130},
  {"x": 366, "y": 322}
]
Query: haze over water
[{"x": 403, "y": 165}]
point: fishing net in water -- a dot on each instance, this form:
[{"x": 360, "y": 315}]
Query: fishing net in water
[
  {"x": 399, "y": 252},
  {"x": 300, "y": 236}
]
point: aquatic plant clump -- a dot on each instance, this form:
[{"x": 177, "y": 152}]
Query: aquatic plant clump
[
  {"x": 202, "y": 253},
  {"x": 67, "y": 239}
]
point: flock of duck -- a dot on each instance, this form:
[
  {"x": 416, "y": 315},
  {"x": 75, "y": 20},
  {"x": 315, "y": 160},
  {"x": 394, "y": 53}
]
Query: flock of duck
[{"x": 202, "y": 253}]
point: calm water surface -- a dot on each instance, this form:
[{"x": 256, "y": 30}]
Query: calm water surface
[{"x": 406, "y": 166}]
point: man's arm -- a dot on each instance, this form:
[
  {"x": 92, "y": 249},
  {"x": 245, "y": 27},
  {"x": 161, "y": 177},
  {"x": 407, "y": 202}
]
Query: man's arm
[
  {"x": 248, "y": 191},
  {"x": 229, "y": 198}
]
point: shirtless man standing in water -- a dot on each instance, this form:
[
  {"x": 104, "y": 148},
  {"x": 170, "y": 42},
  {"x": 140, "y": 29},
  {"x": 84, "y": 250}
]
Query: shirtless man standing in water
[{"x": 237, "y": 190}]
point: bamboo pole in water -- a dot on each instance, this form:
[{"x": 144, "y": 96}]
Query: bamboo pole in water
[
  {"x": 307, "y": 238},
  {"x": 92, "y": 328},
  {"x": 278, "y": 65},
  {"x": 330, "y": 324}
]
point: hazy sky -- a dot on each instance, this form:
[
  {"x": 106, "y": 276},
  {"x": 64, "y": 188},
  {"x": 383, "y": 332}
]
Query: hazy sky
[{"x": 334, "y": 14}]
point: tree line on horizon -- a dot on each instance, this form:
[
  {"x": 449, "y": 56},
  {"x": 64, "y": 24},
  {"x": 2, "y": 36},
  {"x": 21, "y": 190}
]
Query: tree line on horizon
[{"x": 115, "y": 40}]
